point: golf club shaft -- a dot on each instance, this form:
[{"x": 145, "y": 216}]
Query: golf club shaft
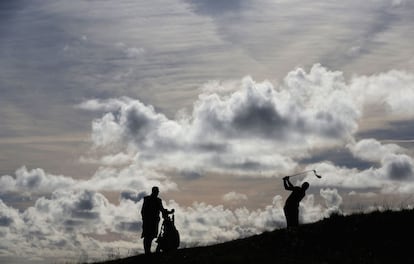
[
  {"x": 304, "y": 172},
  {"x": 300, "y": 173}
]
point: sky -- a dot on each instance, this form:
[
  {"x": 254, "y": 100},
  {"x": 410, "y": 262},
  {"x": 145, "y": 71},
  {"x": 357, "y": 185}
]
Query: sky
[{"x": 213, "y": 101}]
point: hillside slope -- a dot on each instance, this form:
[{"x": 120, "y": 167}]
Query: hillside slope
[{"x": 379, "y": 237}]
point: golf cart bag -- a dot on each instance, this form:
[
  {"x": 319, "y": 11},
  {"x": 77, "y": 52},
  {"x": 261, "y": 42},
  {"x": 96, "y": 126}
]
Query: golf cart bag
[{"x": 169, "y": 238}]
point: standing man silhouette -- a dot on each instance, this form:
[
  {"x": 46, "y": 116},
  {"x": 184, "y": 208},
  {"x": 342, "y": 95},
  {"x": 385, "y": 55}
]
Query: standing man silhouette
[
  {"x": 150, "y": 213},
  {"x": 291, "y": 207}
]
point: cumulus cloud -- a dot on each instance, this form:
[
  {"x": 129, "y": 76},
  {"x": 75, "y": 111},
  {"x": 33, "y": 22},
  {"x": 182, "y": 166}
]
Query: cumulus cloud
[
  {"x": 395, "y": 163},
  {"x": 257, "y": 126},
  {"x": 392, "y": 174},
  {"x": 292, "y": 112},
  {"x": 105, "y": 178},
  {"x": 399, "y": 167},
  {"x": 248, "y": 126},
  {"x": 393, "y": 89},
  {"x": 372, "y": 150},
  {"x": 72, "y": 218},
  {"x": 36, "y": 179}
]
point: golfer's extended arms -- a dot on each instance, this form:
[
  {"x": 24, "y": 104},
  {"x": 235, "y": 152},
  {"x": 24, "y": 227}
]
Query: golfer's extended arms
[{"x": 288, "y": 185}]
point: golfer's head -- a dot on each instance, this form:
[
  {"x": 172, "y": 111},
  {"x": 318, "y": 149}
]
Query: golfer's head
[
  {"x": 305, "y": 185},
  {"x": 155, "y": 191}
]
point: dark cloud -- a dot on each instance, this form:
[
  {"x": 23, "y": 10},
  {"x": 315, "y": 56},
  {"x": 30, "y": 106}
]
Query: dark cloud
[
  {"x": 72, "y": 223},
  {"x": 133, "y": 196},
  {"x": 260, "y": 120},
  {"x": 247, "y": 165},
  {"x": 396, "y": 130},
  {"x": 16, "y": 197},
  {"x": 33, "y": 181},
  {"x": 211, "y": 147},
  {"x": 191, "y": 175},
  {"x": 342, "y": 157},
  {"x": 5, "y": 221},
  {"x": 253, "y": 114},
  {"x": 84, "y": 206},
  {"x": 400, "y": 169},
  {"x": 60, "y": 243},
  {"x": 129, "y": 226},
  {"x": 216, "y": 7},
  {"x": 85, "y": 201},
  {"x": 243, "y": 165},
  {"x": 139, "y": 124},
  {"x": 7, "y": 11},
  {"x": 84, "y": 214}
]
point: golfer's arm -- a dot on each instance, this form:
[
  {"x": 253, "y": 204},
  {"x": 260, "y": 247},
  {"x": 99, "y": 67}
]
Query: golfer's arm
[
  {"x": 288, "y": 185},
  {"x": 165, "y": 211}
]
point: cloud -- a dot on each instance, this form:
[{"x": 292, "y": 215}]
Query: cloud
[
  {"x": 244, "y": 127},
  {"x": 77, "y": 220},
  {"x": 375, "y": 89},
  {"x": 288, "y": 112},
  {"x": 119, "y": 159},
  {"x": 392, "y": 172},
  {"x": 247, "y": 126},
  {"x": 133, "y": 196},
  {"x": 72, "y": 218},
  {"x": 8, "y": 215},
  {"x": 234, "y": 197},
  {"x": 332, "y": 199},
  {"x": 257, "y": 126},
  {"x": 373, "y": 150},
  {"x": 37, "y": 181},
  {"x": 395, "y": 163},
  {"x": 217, "y": 7},
  {"x": 399, "y": 167}
]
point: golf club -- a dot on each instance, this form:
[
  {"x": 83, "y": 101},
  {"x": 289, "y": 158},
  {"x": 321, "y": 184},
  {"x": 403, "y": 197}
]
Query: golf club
[{"x": 304, "y": 172}]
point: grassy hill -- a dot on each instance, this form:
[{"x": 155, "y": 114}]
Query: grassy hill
[{"x": 378, "y": 237}]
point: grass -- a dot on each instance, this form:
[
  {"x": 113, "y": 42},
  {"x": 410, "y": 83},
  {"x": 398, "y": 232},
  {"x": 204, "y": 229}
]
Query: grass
[{"x": 377, "y": 237}]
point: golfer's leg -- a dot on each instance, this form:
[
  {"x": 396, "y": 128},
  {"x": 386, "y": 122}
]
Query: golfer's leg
[
  {"x": 295, "y": 217},
  {"x": 288, "y": 217},
  {"x": 147, "y": 245}
]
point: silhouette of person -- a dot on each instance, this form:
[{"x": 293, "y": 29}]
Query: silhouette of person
[
  {"x": 150, "y": 213},
  {"x": 291, "y": 207}
]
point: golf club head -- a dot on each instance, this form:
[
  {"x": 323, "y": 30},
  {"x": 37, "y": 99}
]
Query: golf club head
[{"x": 317, "y": 175}]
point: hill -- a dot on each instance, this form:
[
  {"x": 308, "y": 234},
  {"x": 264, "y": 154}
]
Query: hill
[{"x": 378, "y": 237}]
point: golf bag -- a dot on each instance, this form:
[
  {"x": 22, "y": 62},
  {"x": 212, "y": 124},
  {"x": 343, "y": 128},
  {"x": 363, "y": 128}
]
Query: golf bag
[{"x": 169, "y": 238}]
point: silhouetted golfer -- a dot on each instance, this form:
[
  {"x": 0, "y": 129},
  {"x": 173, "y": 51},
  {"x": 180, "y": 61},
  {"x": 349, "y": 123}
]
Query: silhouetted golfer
[
  {"x": 150, "y": 212},
  {"x": 291, "y": 208}
]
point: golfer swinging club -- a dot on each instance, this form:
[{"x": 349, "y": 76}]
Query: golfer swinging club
[{"x": 291, "y": 208}]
